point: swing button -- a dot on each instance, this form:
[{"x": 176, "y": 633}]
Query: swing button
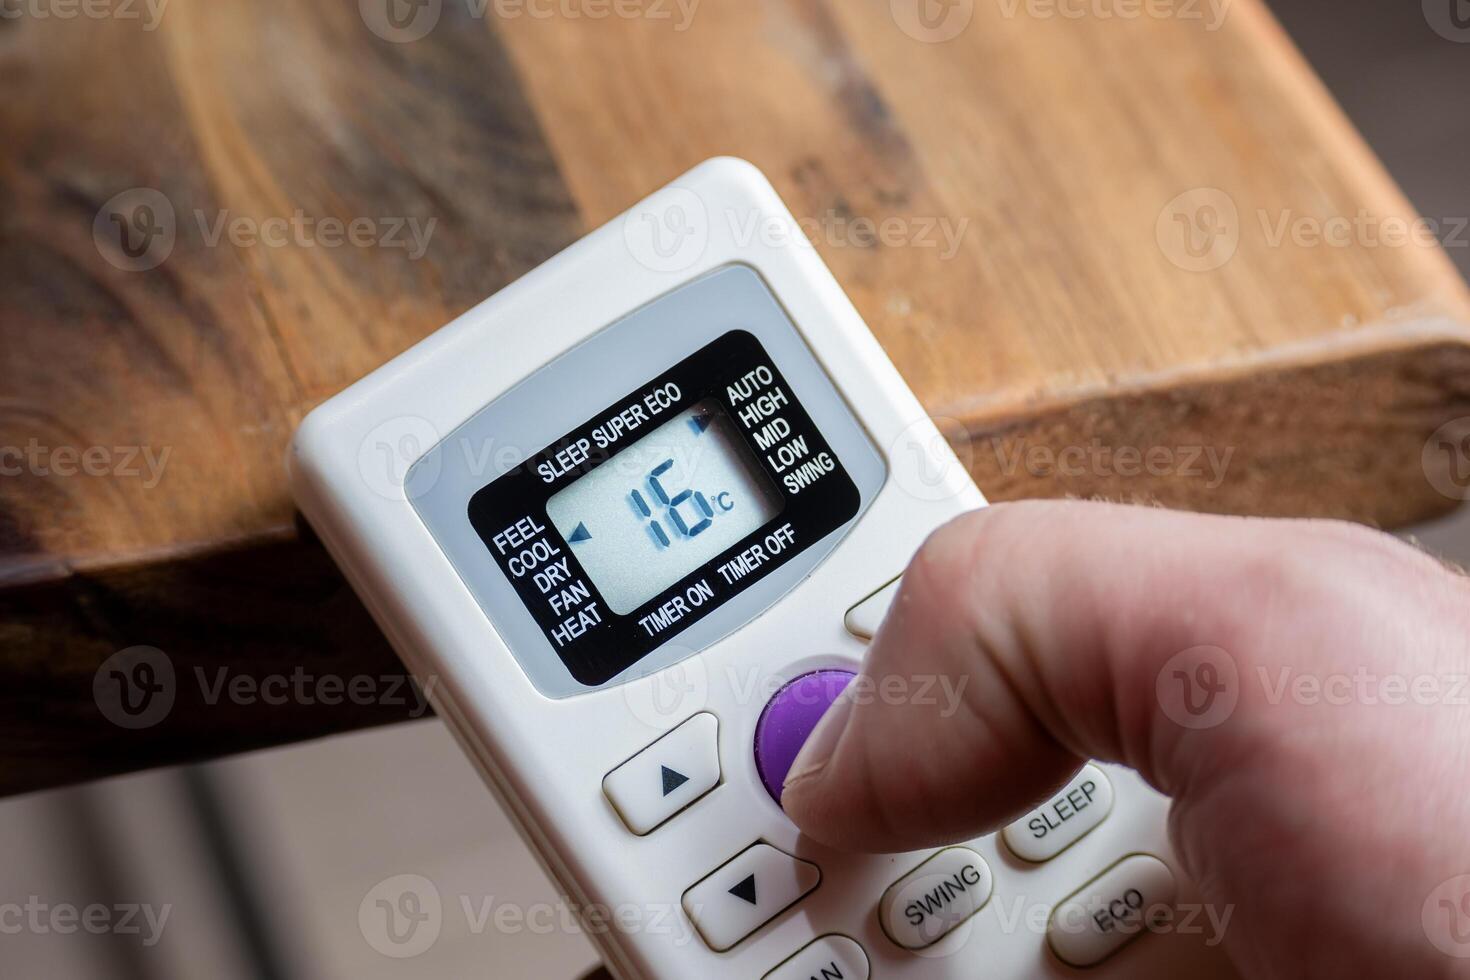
[
  {"x": 667, "y": 776},
  {"x": 935, "y": 898}
]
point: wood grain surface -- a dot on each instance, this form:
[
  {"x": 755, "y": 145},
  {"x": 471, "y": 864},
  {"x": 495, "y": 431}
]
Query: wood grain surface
[{"x": 1087, "y": 241}]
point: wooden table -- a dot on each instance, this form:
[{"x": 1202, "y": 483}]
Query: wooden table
[{"x": 1086, "y": 241}]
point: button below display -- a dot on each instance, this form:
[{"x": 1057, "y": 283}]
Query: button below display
[
  {"x": 829, "y": 958},
  {"x": 864, "y": 618},
  {"x": 787, "y": 721},
  {"x": 667, "y": 776},
  {"x": 1112, "y": 910},
  {"x": 929, "y": 902},
  {"x": 1063, "y": 820},
  {"x": 741, "y": 896}
]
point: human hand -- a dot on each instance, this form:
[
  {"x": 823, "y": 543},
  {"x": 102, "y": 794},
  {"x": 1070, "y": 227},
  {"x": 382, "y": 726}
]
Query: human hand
[{"x": 1329, "y": 821}]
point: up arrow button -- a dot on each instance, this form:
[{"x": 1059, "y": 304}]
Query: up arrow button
[
  {"x": 666, "y": 776},
  {"x": 745, "y": 890},
  {"x": 673, "y": 779}
]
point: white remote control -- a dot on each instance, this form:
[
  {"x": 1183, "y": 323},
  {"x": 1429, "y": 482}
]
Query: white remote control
[{"x": 631, "y": 522}]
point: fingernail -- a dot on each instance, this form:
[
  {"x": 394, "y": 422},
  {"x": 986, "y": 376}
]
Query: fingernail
[{"x": 819, "y": 745}]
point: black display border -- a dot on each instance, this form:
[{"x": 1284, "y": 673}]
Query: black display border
[{"x": 619, "y": 642}]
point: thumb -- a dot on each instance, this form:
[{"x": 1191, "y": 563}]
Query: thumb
[
  {"x": 1038, "y": 632},
  {"x": 1068, "y": 631}
]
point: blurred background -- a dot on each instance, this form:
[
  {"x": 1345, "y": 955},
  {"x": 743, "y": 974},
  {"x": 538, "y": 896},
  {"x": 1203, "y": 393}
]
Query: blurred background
[{"x": 256, "y": 866}]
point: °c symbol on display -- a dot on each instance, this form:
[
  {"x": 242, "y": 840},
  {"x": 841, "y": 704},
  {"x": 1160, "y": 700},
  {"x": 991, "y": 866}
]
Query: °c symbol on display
[
  {"x": 580, "y": 534},
  {"x": 745, "y": 890},
  {"x": 673, "y": 780}
]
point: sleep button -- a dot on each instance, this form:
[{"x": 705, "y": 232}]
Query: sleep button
[{"x": 1063, "y": 820}]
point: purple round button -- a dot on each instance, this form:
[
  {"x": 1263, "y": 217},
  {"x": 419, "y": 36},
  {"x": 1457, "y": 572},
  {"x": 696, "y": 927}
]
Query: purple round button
[{"x": 789, "y": 718}]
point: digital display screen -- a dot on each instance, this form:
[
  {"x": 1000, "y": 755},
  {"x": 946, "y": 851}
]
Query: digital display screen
[
  {"x": 664, "y": 506},
  {"x": 666, "y": 512}
]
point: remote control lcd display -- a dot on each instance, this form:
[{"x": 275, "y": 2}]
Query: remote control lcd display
[{"x": 664, "y": 506}]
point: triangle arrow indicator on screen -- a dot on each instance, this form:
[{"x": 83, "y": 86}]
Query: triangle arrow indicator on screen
[
  {"x": 673, "y": 780},
  {"x": 701, "y": 422},
  {"x": 580, "y": 534}
]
